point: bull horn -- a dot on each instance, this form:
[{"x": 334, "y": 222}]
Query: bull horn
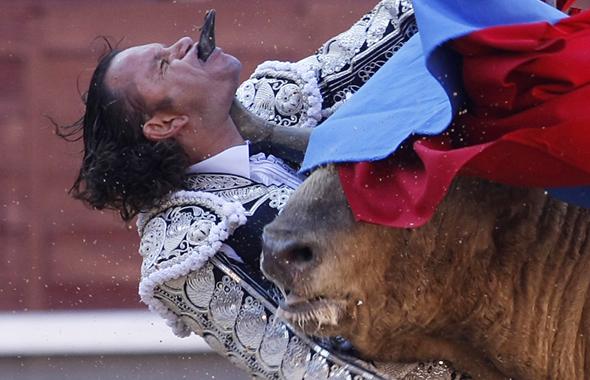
[
  {"x": 286, "y": 142},
  {"x": 207, "y": 38},
  {"x": 250, "y": 126}
]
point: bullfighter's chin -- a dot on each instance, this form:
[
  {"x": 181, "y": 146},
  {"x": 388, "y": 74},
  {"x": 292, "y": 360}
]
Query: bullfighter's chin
[{"x": 317, "y": 315}]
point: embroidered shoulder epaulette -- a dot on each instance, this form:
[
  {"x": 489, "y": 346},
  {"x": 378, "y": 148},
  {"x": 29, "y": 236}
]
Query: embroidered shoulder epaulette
[{"x": 179, "y": 237}]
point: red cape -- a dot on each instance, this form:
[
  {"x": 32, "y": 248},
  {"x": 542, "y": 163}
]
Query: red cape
[{"x": 527, "y": 123}]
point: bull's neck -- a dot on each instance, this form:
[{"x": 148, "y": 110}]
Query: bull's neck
[{"x": 541, "y": 261}]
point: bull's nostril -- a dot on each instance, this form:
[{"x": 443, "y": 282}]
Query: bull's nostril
[
  {"x": 284, "y": 259},
  {"x": 303, "y": 254},
  {"x": 299, "y": 255}
]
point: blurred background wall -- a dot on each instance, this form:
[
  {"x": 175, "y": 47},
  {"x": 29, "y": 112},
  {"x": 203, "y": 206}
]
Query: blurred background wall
[{"x": 57, "y": 255}]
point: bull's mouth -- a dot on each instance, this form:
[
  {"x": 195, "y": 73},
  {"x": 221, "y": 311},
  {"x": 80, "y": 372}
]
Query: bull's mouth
[{"x": 313, "y": 314}]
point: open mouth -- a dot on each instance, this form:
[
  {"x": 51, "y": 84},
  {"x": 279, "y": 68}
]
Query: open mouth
[{"x": 314, "y": 312}]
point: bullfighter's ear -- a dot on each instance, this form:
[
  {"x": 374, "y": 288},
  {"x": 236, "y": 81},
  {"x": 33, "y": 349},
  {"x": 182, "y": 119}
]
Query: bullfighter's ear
[{"x": 162, "y": 126}]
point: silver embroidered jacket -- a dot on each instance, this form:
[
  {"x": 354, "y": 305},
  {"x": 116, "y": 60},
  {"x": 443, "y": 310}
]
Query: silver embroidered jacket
[{"x": 186, "y": 275}]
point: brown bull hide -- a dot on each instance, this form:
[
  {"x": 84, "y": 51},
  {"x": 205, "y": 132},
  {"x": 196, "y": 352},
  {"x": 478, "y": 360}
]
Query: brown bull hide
[{"x": 495, "y": 283}]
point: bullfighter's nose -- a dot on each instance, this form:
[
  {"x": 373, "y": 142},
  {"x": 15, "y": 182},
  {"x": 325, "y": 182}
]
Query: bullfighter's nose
[{"x": 284, "y": 259}]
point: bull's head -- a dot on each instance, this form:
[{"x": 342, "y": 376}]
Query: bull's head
[
  {"x": 297, "y": 247},
  {"x": 343, "y": 277}
]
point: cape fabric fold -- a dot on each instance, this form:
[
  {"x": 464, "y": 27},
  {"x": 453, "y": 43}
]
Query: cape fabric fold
[
  {"x": 417, "y": 90},
  {"x": 523, "y": 122}
]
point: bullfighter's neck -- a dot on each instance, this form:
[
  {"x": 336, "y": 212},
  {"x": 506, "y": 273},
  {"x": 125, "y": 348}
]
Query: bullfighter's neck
[{"x": 539, "y": 257}]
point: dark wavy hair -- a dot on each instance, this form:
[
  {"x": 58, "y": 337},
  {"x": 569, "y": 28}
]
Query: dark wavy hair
[{"x": 121, "y": 168}]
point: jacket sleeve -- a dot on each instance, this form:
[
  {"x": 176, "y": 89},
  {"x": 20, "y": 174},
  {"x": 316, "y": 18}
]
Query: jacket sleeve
[{"x": 303, "y": 93}]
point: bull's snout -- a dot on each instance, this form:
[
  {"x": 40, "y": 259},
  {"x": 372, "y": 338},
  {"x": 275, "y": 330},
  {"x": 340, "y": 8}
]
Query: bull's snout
[{"x": 285, "y": 260}]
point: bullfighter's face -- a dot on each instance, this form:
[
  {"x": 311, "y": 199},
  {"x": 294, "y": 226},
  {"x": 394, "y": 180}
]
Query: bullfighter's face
[{"x": 155, "y": 75}]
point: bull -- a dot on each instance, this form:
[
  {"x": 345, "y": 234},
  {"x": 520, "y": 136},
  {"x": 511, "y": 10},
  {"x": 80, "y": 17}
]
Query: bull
[{"x": 495, "y": 283}]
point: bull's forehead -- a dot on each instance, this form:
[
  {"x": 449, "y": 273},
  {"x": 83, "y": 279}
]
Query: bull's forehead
[
  {"x": 323, "y": 185},
  {"x": 319, "y": 198}
]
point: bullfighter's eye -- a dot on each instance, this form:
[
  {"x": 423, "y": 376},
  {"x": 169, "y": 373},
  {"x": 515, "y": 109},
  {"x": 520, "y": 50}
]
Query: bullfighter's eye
[{"x": 163, "y": 65}]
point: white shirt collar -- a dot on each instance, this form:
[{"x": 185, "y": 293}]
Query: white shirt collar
[{"x": 234, "y": 160}]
